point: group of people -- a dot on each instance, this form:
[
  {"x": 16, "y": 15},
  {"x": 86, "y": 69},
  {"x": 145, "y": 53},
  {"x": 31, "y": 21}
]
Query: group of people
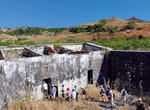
[
  {"x": 72, "y": 95},
  {"x": 52, "y": 91},
  {"x": 110, "y": 97},
  {"x": 109, "y": 94},
  {"x": 67, "y": 94}
]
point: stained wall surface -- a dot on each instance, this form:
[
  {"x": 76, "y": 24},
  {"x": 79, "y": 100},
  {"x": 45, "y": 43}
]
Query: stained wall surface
[
  {"x": 19, "y": 76},
  {"x": 130, "y": 67}
]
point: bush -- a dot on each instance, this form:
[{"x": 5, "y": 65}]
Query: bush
[
  {"x": 139, "y": 28},
  {"x": 77, "y": 30},
  {"x": 140, "y": 37},
  {"x": 22, "y": 39},
  {"x": 101, "y": 27},
  {"x": 33, "y": 31},
  {"x": 125, "y": 43},
  {"x": 131, "y": 25},
  {"x": 112, "y": 30}
]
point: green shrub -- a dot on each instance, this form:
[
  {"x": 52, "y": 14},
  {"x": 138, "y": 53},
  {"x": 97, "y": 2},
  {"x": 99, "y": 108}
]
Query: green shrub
[
  {"x": 112, "y": 30},
  {"x": 125, "y": 43},
  {"x": 77, "y": 30},
  {"x": 100, "y": 27},
  {"x": 140, "y": 37},
  {"x": 131, "y": 25},
  {"x": 33, "y": 31},
  {"x": 139, "y": 28},
  {"x": 22, "y": 39}
]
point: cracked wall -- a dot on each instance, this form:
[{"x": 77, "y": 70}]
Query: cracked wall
[{"x": 18, "y": 76}]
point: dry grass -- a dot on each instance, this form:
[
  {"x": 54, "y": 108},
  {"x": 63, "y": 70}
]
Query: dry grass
[
  {"x": 92, "y": 94},
  {"x": 58, "y": 105},
  {"x": 47, "y": 105},
  {"x": 5, "y": 37}
]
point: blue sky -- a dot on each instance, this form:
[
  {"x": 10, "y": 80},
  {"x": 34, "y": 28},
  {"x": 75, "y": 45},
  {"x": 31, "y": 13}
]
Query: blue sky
[{"x": 67, "y": 13}]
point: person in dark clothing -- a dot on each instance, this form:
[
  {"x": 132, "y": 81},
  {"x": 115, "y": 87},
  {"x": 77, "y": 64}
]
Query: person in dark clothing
[
  {"x": 140, "y": 105},
  {"x": 107, "y": 91},
  {"x": 102, "y": 91},
  {"x": 63, "y": 92}
]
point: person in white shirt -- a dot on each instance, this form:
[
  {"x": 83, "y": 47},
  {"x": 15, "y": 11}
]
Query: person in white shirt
[
  {"x": 112, "y": 99},
  {"x": 73, "y": 95},
  {"x": 45, "y": 88}
]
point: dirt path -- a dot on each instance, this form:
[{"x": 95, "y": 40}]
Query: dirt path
[{"x": 128, "y": 106}]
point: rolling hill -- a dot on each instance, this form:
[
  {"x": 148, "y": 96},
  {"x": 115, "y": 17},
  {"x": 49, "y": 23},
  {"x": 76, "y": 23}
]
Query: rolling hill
[{"x": 130, "y": 33}]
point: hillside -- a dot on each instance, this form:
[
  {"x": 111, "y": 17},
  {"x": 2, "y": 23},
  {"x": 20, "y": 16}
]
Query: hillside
[{"x": 103, "y": 29}]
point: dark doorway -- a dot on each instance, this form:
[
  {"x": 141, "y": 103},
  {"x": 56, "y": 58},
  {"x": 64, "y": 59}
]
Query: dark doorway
[
  {"x": 90, "y": 76},
  {"x": 49, "y": 83}
]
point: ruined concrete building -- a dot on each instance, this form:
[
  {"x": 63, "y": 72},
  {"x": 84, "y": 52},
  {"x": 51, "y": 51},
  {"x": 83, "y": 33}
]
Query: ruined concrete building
[{"x": 24, "y": 68}]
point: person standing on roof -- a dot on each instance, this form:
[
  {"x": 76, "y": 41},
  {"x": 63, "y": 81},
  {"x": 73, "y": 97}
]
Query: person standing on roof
[
  {"x": 123, "y": 95},
  {"x": 77, "y": 92}
]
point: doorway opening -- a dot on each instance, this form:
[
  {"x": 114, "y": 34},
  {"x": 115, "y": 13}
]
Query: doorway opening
[{"x": 90, "y": 76}]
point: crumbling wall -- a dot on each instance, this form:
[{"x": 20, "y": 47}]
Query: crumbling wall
[
  {"x": 19, "y": 76},
  {"x": 30, "y": 53},
  {"x": 72, "y": 46},
  {"x": 39, "y": 48},
  {"x": 131, "y": 68},
  {"x": 12, "y": 53},
  {"x": 93, "y": 47}
]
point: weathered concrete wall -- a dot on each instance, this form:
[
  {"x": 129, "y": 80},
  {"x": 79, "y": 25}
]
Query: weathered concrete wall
[
  {"x": 39, "y": 48},
  {"x": 12, "y": 53},
  {"x": 2, "y": 86},
  {"x": 20, "y": 75},
  {"x": 72, "y": 46},
  {"x": 132, "y": 68},
  {"x": 93, "y": 47}
]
